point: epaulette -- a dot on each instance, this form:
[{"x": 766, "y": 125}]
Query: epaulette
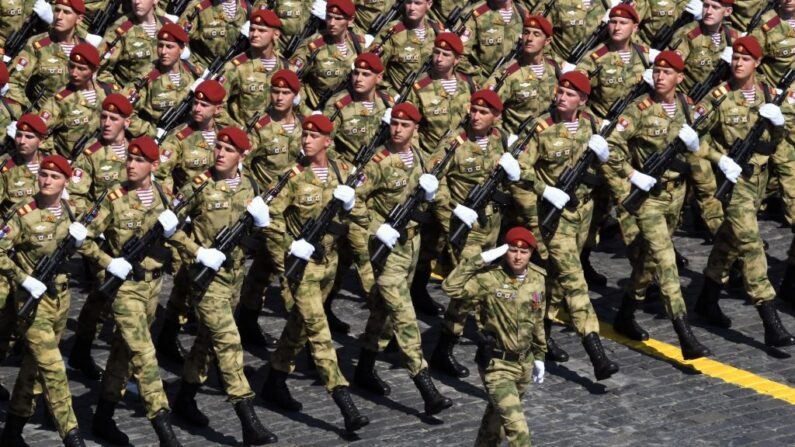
[
  {"x": 360, "y": 37},
  {"x": 25, "y": 209},
  {"x": 201, "y": 178},
  {"x": 8, "y": 166},
  {"x": 9, "y": 101},
  {"x": 190, "y": 68},
  {"x": 480, "y": 10},
  {"x": 689, "y": 100},
  {"x": 537, "y": 268},
  {"x": 646, "y": 103},
  {"x": 343, "y": 165},
  {"x": 512, "y": 69},
  {"x": 93, "y": 148},
  {"x": 117, "y": 193},
  {"x": 63, "y": 94},
  {"x": 39, "y": 44},
  {"x": 720, "y": 91},
  {"x": 585, "y": 115},
  {"x": 772, "y": 23},
  {"x": 240, "y": 59},
  {"x": 397, "y": 29},
  {"x": 204, "y": 5},
  {"x": 184, "y": 133},
  {"x": 262, "y": 122},
  {"x": 601, "y": 51},
  {"x": 297, "y": 169},
  {"x": 317, "y": 43},
  {"x": 342, "y": 102},
  {"x": 545, "y": 124},
  {"x": 733, "y": 33},
  {"x": 694, "y": 33},
  {"x": 379, "y": 157},
  {"x": 124, "y": 27},
  {"x": 154, "y": 74},
  {"x": 422, "y": 83}
]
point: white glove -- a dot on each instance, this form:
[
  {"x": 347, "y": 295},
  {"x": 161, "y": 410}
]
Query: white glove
[
  {"x": 695, "y": 7},
  {"x": 260, "y": 212},
  {"x": 196, "y": 83},
  {"x": 510, "y": 166},
  {"x": 730, "y": 168},
  {"x": 35, "y": 287},
  {"x": 244, "y": 30},
  {"x": 388, "y": 235},
  {"x": 78, "y": 232},
  {"x": 599, "y": 146},
  {"x": 538, "y": 371},
  {"x": 94, "y": 40},
  {"x": 43, "y": 10},
  {"x": 387, "y": 118},
  {"x": 430, "y": 184},
  {"x": 689, "y": 137},
  {"x": 653, "y": 54},
  {"x": 567, "y": 67},
  {"x": 556, "y": 197},
  {"x": 185, "y": 54},
  {"x": 6, "y": 59},
  {"x": 726, "y": 54},
  {"x": 492, "y": 255},
  {"x": 297, "y": 100},
  {"x": 466, "y": 214},
  {"x": 368, "y": 40},
  {"x": 160, "y": 132},
  {"x": 648, "y": 77},
  {"x": 319, "y": 9},
  {"x": 11, "y": 129},
  {"x": 169, "y": 222},
  {"x": 171, "y": 17},
  {"x": 4, "y": 90},
  {"x": 773, "y": 113},
  {"x": 512, "y": 138},
  {"x": 606, "y": 17},
  {"x": 302, "y": 249},
  {"x": 642, "y": 181},
  {"x": 119, "y": 267},
  {"x": 210, "y": 257},
  {"x": 346, "y": 195},
  {"x": 613, "y": 4}
]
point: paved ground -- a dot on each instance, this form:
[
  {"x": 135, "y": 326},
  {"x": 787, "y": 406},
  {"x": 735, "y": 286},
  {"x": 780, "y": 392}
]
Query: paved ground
[{"x": 650, "y": 402}]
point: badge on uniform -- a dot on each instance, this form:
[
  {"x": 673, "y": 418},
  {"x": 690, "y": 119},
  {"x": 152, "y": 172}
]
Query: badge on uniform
[{"x": 537, "y": 299}]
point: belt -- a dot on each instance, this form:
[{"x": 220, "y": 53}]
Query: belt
[
  {"x": 754, "y": 169},
  {"x": 150, "y": 275},
  {"x": 668, "y": 186},
  {"x": 509, "y": 356}
]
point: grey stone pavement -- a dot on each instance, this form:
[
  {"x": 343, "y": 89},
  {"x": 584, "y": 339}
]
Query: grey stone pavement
[{"x": 649, "y": 402}]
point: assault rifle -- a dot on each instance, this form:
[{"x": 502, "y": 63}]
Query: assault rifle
[
  {"x": 312, "y": 25},
  {"x": 17, "y": 40},
  {"x": 80, "y": 144},
  {"x": 380, "y": 22},
  {"x": 599, "y": 35},
  {"x": 104, "y": 17},
  {"x": 662, "y": 38}
]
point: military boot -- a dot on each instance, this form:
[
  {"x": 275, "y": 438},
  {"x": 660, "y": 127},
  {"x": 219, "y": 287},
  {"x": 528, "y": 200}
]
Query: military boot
[
  {"x": 420, "y": 297},
  {"x": 691, "y": 347},
  {"x": 592, "y": 277},
  {"x": 707, "y": 305},
  {"x": 681, "y": 260},
  {"x": 165, "y": 433},
  {"x": 775, "y": 333},
  {"x": 275, "y": 391},
  {"x": 443, "y": 358},
  {"x": 4, "y": 394},
  {"x": 254, "y": 433},
  {"x": 625, "y": 323},
  {"x": 603, "y": 367},
  {"x": 786, "y": 291},
  {"x": 104, "y": 427},
  {"x": 250, "y": 331},
  {"x": 366, "y": 377},
  {"x": 435, "y": 402},
  {"x": 334, "y": 323},
  {"x": 554, "y": 352},
  {"x": 168, "y": 342},
  {"x": 353, "y": 420},
  {"x": 73, "y": 439},
  {"x": 185, "y": 405},
  {"x": 12, "y": 431},
  {"x": 81, "y": 360}
]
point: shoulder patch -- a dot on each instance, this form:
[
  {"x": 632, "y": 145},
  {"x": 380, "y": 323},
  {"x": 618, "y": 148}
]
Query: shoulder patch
[
  {"x": 512, "y": 68},
  {"x": 184, "y": 133},
  {"x": 8, "y": 165},
  {"x": 600, "y": 51},
  {"x": 63, "y": 94},
  {"x": 93, "y": 148},
  {"x": 397, "y": 29},
  {"x": 154, "y": 74},
  {"x": 480, "y": 10},
  {"x": 720, "y": 91},
  {"x": 645, "y": 104},
  {"x": 262, "y": 122},
  {"x": 240, "y": 59},
  {"x": 39, "y": 44},
  {"x": 124, "y": 27},
  {"x": 297, "y": 169},
  {"x": 544, "y": 124},
  {"x": 422, "y": 83},
  {"x": 772, "y": 23},
  {"x": 21, "y": 211},
  {"x": 201, "y": 178},
  {"x": 695, "y": 32},
  {"x": 379, "y": 157},
  {"x": 344, "y": 101},
  {"x": 117, "y": 193},
  {"x": 317, "y": 43},
  {"x": 204, "y": 5}
]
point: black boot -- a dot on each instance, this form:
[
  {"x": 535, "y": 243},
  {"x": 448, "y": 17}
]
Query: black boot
[
  {"x": 165, "y": 433},
  {"x": 168, "y": 342},
  {"x": 104, "y": 427},
  {"x": 366, "y": 377},
  {"x": 4, "y": 394},
  {"x": 691, "y": 347},
  {"x": 275, "y": 391},
  {"x": 554, "y": 352},
  {"x": 420, "y": 297},
  {"x": 250, "y": 331},
  {"x": 786, "y": 291},
  {"x": 707, "y": 305},
  {"x": 681, "y": 260},
  {"x": 12, "y": 431},
  {"x": 185, "y": 405},
  {"x": 334, "y": 323},
  {"x": 603, "y": 367},
  {"x": 775, "y": 333},
  {"x": 443, "y": 359},
  {"x": 592, "y": 277},
  {"x": 435, "y": 402},
  {"x": 353, "y": 420},
  {"x": 73, "y": 439},
  {"x": 736, "y": 274},
  {"x": 625, "y": 323},
  {"x": 81, "y": 360},
  {"x": 254, "y": 433}
]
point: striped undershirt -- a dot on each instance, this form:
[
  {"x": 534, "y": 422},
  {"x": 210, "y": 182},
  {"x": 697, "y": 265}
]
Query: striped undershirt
[
  {"x": 538, "y": 69},
  {"x": 150, "y": 29},
  {"x": 506, "y": 14},
  {"x": 230, "y": 9},
  {"x": 420, "y": 32},
  {"x": 175, "y": 78},
  {"x": 716, "y": 38},
  {"x": 521, "y": 277},
  {"x": 625, "y": 55},
  {"x": 67, "y": 48},
  {"x": 90, "y": 96},
  {"x": 147, "y": 196},
  {"x": 407, "y": 157},
  {"x": 750, "y": 94},
  {"x": 670, "y": 108},
  {"x": 120, "y": 150},
  {"x": 369, "y": 105},
  {"x": 483, "y": 142},
  {"x": 343, "y": 48},
  {"x": 791, "y": 22},
  {"x": 56, "y": 210},
  {"x": 449, "y": 85},
  {"x": 572, "y": 126},
  {"x": 233, "y": 183},
  {"x": 288, "y": 127},
  {"x": 34, "y": 167},
  {"x": 586, "y": 4},
  {"x": 320, "y": 173},
  {"x": 269, "y": 64},
  {"x": 209, "y": 137}
]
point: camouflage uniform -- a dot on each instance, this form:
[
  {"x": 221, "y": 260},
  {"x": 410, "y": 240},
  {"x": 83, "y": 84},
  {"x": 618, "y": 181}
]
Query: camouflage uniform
[
  {"x": 247, "y": 82},
  {"x": 292, "y": 13},
  {"x": 184, "y": 155},
  {"x": 158, "y": 95},
  {"x": 366, "y": 13},
  {"x": 404, "y": 52},
  {"x": 131, "y": 58},
  {"x": 743, "y": 11},
  {"x": 573, "y": 23},
  {"x": 98, "y": 168},
  {"x": 487, "y": 38},
  {"x": 659, "y": 13},
  {"x": 6, "y": 117},
  {"x": 211, "y": 32},
  {"x": 13, "y": 14}
]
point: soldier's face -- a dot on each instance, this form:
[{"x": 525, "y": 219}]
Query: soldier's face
[
  {"x": 313, "y": 143},
  {"x": 416, "y": 9},
  {"x": 743, "y": 66},
  {"x": 260, "y": 36},
  {"x": 139, "y": 168},
  {"x": 666, "y": 79},
  {"x": 517, "y": 258},
  {"x": 787, "y": 7},
  {"x": 51, "y": 183},
  {"x": 202, "y": 111},
  {"x": 714, "y": 12},
  {"x": 364, "y": 81},
  {"x": 336, "y": 24},
  {"x": 621, "y": 29},
  {"x": 79, "y": 74},
  {"x": 112, "y": 125},
  {"x": 64, "y": 18},
  {"x": 401, "y": 131},
  {"x": 568, "y": 100},
  {"x": 534, "y": 40},
  {"x": 168, "y": 52},
  {"x": 226, "y": 157},
  {"x": 27, "y": 142},
  {"x": 141, "y": 8},
  {"x": 282, "y": 98},
  {"x": 482, "y": 118},
  {"x": 443, "y": 60}
]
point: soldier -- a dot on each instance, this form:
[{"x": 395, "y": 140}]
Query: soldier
[
  {"x": 15, "y": 14},
  {"x": 661, "y": 13},
  {"x": 511, "y": 354},
  {"x": 220, "y": 204},
  {"x": 560, "y": 139},
  {"x": 490, "y": 33},
  {"x": 312, "y": 184},
  {"x": 213, "y": 27},
  {"x": 744, "y": 10},
  {"x": 396, "y": 170},
  {"x": 573, "y": 22},
  {"x": 738, "y": 235},
  {"x": 367, "y": 11},
  {"x": 293, "y": 15},
  {"x": 35, "y": 231},
  {"x": 643, "y": 130}
]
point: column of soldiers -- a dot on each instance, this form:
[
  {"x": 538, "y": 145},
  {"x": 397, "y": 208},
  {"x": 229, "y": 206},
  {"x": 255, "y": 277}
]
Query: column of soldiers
[{"x": 352, "y": 123}]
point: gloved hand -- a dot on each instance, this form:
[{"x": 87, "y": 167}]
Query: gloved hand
[
  {"x": 94, "y": 40},
  {"x": 260, "y": 212},
  {"x": 195, "y": 84},
  {"x": 368, "y": 40},
  {"x": 185, "y": 53},
  {"x": 726, "y": 54},
  {"x": 11, "y": 129},
  {"x": 246, "y": 28},
  {"x": 695, "y": 7},
  {"x": 567, "y": 67},
  {"x": 599, "y": 146},
  {"x": 169, "y": 222},
  {"x": 510, "y": 166},
  {"x": 210, "y": 257},
  {"x": 653, "y": 54},
  {"x": 492, "y": 255},
  {"x": 730, "y": 168},
  {"x": 689, "y": 137},
  {"x": 302, "y": 249},
  {"x": 512, "y": 138},
  {"x": 387, "y": 117},
  {"x": 297, "y": 100},
  {"x": 172, "y": 18},
  {"x": 44, "y": 10},
  {"x": 466, "y": 214},
  {"x": 556, "y": 197},
  {"x": 388, "y": 235},
  {"x": 538, "y": 371},
  {"x": 35, "y": 287},
  {"x": 773, "y": 113},
  {"x": 648, "y": 77},
  {"x": 430, "y": 184},
  {"x": 119, "y": 267},
  {"x": 642, "y": 181},
  {"x": 346, "y": 195},
  {"x": 78, "y": 232},
  {"x": 319, "y": 9}
]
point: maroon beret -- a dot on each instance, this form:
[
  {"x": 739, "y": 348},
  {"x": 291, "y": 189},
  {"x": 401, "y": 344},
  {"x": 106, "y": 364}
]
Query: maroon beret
[
  {"x": 626, "y": 11},
  {"x": 520, "y": 237},
  {"x": 540, "y": 22},
  {"x": 576, "y": 80},
  {"x": 77, "y": 6},
  {"x": 748, "y": 45},
  {"x": 671, "y": 59},
  {"x": 173, "y": 33},
  {"x": 265, "y": 17},
  {"x": 487, "y": 98},
  {"x": 57, "y": 163},
  {"x": 406, "y": 111},
  {"x": 117, "y": 103},
  {"x": 449, "y": 41},
  {"x": 211, "y": 91},
  {"x": 85, "y": 53},
  {"x": 342, "y": 7},
  {"x": 369, "y": 61},
  {"x": 145, "y": 147},
  {"x": 318, "y": 123},
  {"x": 32, "y": 123},
  {"x": 236, "y": 137}
]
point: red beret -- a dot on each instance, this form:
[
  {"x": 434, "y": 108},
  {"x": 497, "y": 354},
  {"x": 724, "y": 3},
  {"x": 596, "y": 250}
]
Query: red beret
[
  {"x": 77, "y": 6},
  {"x": 576, "y": 80},
  {"x": 236, "y": 137},
  {"x": 56, "y": 163},
  {"x": 726, "y": 2},
  {"x": 211, "y": 91},
  {"x": 406, "y": 111},
  {"x": 32, "y": 123},
  {"x": 748, "y": 45},
  {"x": 540, "y": 22},
  {"x": 3, "y": 74},
  {"x": 520, "y": 237},
  {"x": 286, "y": 79},
  {"x": 173, "y": 33},
  {"x": 626, "y": 11},
  {"x": 85, "y": 53},
  {"x": 117, "y": 103},
  {"x": 487, "y": 98},
  {"x": 369, "y": 61},
  {"x": 145, "y": 147},
  {"x": 342, "y": 7},
  {"x": 318, "y": 123},
  {"x": 449, "y": 41},
  {"x": 671, "y": 59},
  {"x": 265, "y": 17}
]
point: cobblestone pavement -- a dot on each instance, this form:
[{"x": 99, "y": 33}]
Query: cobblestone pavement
[{"x": 649, "y": 402}]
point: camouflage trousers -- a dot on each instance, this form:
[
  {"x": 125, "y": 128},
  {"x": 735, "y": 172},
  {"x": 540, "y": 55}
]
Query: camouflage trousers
[
  {"x": 7, "y": 317},
  {"x": 506, "y": 383},
  {"x": 525, "y": 213},
  {"x": 618, "y": 189},
  {"x": 392, "y": 302},
  {"x": 738, "y": 236},
  {"x": 132, "y": 352},
  {"x": 268, "y": 262},
  {"x": 42, "y": 369},
  {"x": 95, "y": 309},
  {"x": 218, "y": 336},
  {"x": 354, "y": 250},
  {"x": 703, "y": 184},
  {"x": 306, "y": 321},
  {"x": 783, "y": 169}
]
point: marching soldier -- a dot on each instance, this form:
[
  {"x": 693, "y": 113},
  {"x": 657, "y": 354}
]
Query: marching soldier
[
  {"x": 490, "y": 33},
  {"x": 215, "y": 28},
  {"x": 573, "y": 22},
  {"x": 367, "y": 11}
]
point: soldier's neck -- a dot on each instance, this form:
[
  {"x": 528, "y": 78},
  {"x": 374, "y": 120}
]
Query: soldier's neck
[
  {"x": 144, "y": 183},
  {"x": 64, "y": 36},
  {"x": 567, "y": 116},
  {"x": 501, "y": 4},
  {"x": 228, "y": 174},
  {"x": 117, "y": 140},
  {"x": 29, "y": 158},
  {"x": 743, "y": 84},
  {"x": 404, "y": 147},
  {"x": 449, "y": 74},
  {"x": 364, "y": 96},
  {"x": 712, "y": 28},
  {"x": 282, "y": 116},
  {"x": 319, "y": 160},
  {"x": 666, "y": 97},
  {"x": 83, "y": 85},
  {"x": 533, "y": 58},
  {"x": 48, "y": 201},
  {"x": 479, "y": 133},
  {"x": 619, "y": 45},
  {"x": 149, "y": 17},
  {"x": 173, "y": 68},
  {"x": 414, "y": 24},
  {"x": 265, "y": 52},
  {"x": 208, "y": 125},
  {"x": 336, "y": 39}
]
